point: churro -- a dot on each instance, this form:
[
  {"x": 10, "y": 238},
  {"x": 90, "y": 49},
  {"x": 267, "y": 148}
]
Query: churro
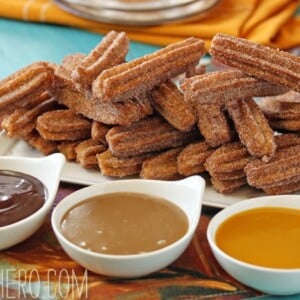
[
  {"x": 259, "y": 60},
  {"x": 228, "y": 186},
  {"x": 169, "y": 102},
  {"x": 148, "y": 135},
  {"x": 282, "y": 173},
  {"x": 216, "y": 87},
  {"x": 228, "y": 158},
  {"x": 79, "y": 100},
  {"x": 86, "y": 152},
  {"x": 192, "y": 158},
  {"x": 110, "y": 52},
  {"x": 44, "y": 146},
  {"x": 226, "y": 167},
  {"x": 67, "y": 148},
  {"x": 278, "y": 172},
  {"x": 162, "y": 166},
  {"x": 58, "y": 125},
  {"x": 252, "y": 127},
  {"x": 71, "y": 62},
  {"x": 99, "y": 131},
  {"x": 135, "y": 78},
  {"x": 25, "y": 84},
  {"x": 111, "y": 165},
  {"x": 213, "y": 124},
  {"x": 21, "y": 122},
  {"x": 283, "y": 112}
]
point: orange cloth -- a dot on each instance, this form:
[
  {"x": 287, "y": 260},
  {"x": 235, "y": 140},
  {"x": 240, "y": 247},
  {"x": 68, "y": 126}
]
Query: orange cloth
[{"x": 271, "y": 22}]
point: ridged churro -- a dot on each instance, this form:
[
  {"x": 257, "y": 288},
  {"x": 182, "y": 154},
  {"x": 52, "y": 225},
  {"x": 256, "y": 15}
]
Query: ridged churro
[
  {"x": 59, "y": 125},
  {"x": 111, "y": 165},
  {"x": 148, "y": 135},
  {"x": 99, "y": 131},
  {"x": 192, "y": 158},
  {"x": 226, "y": 167},
  {"x": 25, "y": 84},
  {"x": 282, "y": 173},
  {"x": 213, "y": 124},
  {"x": 283, "y": 112},
  {"x": 252, "y": 127},
  {"x": 86, "y": 152},
  {"x": 169, "y": 102},
  {"x": 228, "y": 186},
  {"x": 110, "y": 52},
  {"x": 216, "y": 87},
  {"x": 119, "y": 113},
  {"x": 135, "y": 78},
  {"x": 67, "y": 148},
  {"x": 264, "y": 62},
  {"x": 39, "y": 143},
  {"x": 21, "y": 122},
  {"x": 162, "y": 166}
]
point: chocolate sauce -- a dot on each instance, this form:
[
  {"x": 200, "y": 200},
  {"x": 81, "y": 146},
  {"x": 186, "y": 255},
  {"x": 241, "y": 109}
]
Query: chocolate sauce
[{"x": 20, "y": 196}]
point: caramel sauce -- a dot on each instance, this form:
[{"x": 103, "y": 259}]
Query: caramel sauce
[
  {"x": 124, "y": 223},
  {"x": 268, "y": 237},
  {"x": 20, "y": 196}
]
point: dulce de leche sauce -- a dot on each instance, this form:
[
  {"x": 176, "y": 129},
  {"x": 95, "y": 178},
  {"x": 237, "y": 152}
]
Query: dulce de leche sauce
[
  {"x": 124, "y": 223},
  {"x": 20, "y": 196}
]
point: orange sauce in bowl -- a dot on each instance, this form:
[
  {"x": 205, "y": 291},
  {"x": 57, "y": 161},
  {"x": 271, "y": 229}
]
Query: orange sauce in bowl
[{"x": 268, "y": 237}]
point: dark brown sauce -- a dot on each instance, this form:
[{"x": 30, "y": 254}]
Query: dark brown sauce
[
  {"x": 124, "y": 223},
  {"x": 20, "y": 196}
]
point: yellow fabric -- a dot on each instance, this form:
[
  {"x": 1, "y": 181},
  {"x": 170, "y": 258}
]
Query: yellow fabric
[{"x": 272, "y": 22}]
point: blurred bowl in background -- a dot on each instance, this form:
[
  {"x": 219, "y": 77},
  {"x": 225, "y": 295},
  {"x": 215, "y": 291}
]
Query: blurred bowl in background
[{"x": 133, "y": 12}]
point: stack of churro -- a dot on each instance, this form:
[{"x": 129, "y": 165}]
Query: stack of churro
[{"x": 136, "y": 118}]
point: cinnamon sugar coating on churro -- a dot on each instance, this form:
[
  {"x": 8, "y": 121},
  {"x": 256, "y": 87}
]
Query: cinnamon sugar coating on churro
[
  {"x": 228, "y": 186},
  {"x": 283, "y": 112},
  {"x": 21, "y": 122},
  {"x": 148, "y": 135},
  {"x": 25, "y": 84},
  {"x": 70, "y": 62},
  {"x": 281, "y": 107},
  {"x": 99, "y": 131},
  {"x": 228, "y": 158},
  {"x": 259, "y": 60},
  {"x": 135, "y": 78},
  {"x": 213, "y": 124},
  {"x": 287, "y": 140},
  {"x": 216, "y": 87},
  {"x": 81, "y": 101},
  {"x": 192, "y": 158},
  {"x": 111, "y": 165},
  {"x": 86, "y": 152},
  {"x": 282, "y": 173},
  {"x": 163, "y": 166},
  {"x": 44, "y": 146},
  {"x": 110, "y": 52},
  {"x": 276, "y": 173},
  {"x": 58, "y": 125},
  {"x": 169, "y": 102},
  {"x": 67, "y": 148},
  {"x": 287, "y": 101},
  {"x": 252, "y": 127},
  {"x": 226, "y": 167}
]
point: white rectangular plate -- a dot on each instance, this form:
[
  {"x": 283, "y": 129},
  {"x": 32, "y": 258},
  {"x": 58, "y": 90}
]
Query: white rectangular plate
[{"x": 74, "y": 173}]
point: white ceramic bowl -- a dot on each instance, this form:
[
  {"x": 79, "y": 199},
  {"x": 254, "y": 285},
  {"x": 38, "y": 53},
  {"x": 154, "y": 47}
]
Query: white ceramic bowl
[
  {"x": 186, "y": 193},
  {"x": 47, "y": 169},
  {"x": 268, "y": 280}
]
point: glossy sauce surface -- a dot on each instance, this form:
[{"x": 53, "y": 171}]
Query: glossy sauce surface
[
  {"x": 20, "y": 196},
  {"x": 124, "y": 223},
  {"x": 268, "y": 237}
]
